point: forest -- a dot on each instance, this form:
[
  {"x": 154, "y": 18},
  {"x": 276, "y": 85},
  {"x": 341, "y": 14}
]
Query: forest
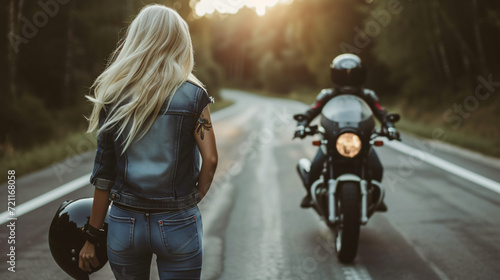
[{"x": 436, "y": 62}]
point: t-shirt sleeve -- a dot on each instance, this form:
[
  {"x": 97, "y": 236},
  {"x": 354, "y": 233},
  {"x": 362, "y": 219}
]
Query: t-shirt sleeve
[{"x": 203, "y": 101}]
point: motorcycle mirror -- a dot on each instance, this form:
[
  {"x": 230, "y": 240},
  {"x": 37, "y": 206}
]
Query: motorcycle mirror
[
  {"x": 299, "y": 117},
  {"x": 393, "y": 117}
]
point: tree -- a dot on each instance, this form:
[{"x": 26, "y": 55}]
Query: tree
[{"x": 15, "y": 12}]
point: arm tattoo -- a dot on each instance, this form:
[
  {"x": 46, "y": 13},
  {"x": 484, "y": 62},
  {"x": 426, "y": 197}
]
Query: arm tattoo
[{"x": 203, "y": 124}]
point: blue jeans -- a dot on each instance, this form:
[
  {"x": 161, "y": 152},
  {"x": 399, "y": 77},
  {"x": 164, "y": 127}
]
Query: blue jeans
[{"x": 175, "y": 238}]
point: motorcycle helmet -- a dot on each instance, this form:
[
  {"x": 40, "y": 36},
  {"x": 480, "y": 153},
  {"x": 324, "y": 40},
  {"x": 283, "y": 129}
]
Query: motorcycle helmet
[
  {"x": 66, "y": 237},
  {"x": 347, "y": 70}
]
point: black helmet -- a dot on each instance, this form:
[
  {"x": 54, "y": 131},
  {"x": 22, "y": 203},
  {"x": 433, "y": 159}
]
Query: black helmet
[
  {"x": 347, "y": 70},
  {"x": 66, "y": 237}
]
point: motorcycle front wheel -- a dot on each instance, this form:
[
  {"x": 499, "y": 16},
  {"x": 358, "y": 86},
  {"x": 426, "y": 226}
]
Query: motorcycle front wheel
[{"x": 347, "y": 231}]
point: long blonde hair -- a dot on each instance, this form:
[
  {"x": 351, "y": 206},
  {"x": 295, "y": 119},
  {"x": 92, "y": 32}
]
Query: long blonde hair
[{"x": 152, "y": 61}]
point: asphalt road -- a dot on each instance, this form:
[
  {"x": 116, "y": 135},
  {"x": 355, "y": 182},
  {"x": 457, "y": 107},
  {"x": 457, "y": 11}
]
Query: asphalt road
[{"x": 440, "y": 225}]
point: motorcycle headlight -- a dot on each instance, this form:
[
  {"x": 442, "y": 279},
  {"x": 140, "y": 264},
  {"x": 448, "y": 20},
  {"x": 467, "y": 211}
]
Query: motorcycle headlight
[{"x": 348, "y": 144}]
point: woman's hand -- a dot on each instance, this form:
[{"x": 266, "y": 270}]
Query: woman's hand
[{"x": 88, "y": 258}]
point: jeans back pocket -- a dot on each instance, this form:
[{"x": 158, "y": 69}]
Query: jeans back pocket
[
  {"x": 180, "y": 237},
  {"x": 120, "y": 233}
]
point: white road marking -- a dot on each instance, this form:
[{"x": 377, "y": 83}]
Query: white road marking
[
  {"x": 83, "y": 181},
  {"x": 76, "y": 184},
  {"x": 46, "y": 198},
  {"x": 356, "y": 272},
  {"x": 445, "y": 165}
]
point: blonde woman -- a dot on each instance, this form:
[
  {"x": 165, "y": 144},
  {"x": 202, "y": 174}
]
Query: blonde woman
[{"x": 153, "y": 122}]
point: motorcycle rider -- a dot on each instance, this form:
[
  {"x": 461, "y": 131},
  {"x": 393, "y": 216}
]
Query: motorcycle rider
[{"x": 347, "y": 74}]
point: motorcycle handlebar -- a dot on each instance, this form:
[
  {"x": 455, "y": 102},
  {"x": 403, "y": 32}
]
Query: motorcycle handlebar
[
  {"x": 314, "y": 129},
  {"x": 311, "y": 130},
  {"x": 308, "y": 131},
  {"x": 380, "y": 133}
]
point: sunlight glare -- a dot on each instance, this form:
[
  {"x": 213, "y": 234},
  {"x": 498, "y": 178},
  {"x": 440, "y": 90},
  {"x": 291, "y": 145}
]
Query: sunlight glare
[{"x": 206, "y": 7}]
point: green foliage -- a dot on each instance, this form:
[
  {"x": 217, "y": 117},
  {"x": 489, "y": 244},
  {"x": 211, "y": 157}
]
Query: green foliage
[
  {"x": 435, "y": 50},
  {"x": 428, "y": 56},
  {"x": 291, "y": 46},
  {"x": 207, "y": 70},
  {"x": 26, "y": 122},
  {"x": 272, "y": 74},
  {"x": 47, "y": 153},
  {"x": 58, "y": 149}
]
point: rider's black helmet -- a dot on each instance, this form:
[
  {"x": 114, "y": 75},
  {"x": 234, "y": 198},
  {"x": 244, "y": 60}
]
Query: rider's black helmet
[
  {"x": 66, "y": 237},
  {"x": 347, "y": 70}
]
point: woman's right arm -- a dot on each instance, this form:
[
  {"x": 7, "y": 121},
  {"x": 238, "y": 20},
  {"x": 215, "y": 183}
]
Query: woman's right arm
[{"x": 205, "y": 139}]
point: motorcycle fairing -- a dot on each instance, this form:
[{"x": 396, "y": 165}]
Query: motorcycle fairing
[{"x": 347, "y": 112}]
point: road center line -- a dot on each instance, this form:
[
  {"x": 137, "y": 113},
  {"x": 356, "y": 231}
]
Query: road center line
[
  {"x": 356, "y": 272},
  {"x": 445, "y": 165},
  {"x": 46, "y": 198},
  {"x": 83, "y": 181}
]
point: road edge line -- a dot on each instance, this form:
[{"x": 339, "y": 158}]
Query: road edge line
[
  {"x": 447, "y": 166},
  {"x": 69, "y": 187},
  {"x": 46, "y": 198}
]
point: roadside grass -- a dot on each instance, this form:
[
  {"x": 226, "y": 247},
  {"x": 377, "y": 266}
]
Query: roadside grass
[
  {"x": 478, "y": 133},
  {"x": 220, "y": 104},
  {"x": 57, "y": 150},
  {"x": 475, "y": 134},
  {"x": 38, "y": 157}
]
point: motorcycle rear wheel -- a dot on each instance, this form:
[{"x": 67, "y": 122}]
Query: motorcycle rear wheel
[{"x": 347, "y": 231}]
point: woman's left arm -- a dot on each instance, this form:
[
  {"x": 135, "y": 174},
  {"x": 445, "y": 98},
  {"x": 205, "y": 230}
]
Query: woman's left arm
[{"x": 205, "y": 139}]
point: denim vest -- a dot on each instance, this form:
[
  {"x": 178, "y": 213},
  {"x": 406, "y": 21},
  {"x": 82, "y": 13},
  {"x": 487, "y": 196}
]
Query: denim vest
[{"x": 160, "y": 171}]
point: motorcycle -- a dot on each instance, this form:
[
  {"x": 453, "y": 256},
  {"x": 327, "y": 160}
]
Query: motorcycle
[{"x": 344, "y": 196}]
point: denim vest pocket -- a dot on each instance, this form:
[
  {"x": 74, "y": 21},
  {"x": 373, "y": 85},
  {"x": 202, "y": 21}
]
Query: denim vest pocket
[
  {"x": 120, "y": 233},
  {"x": 180, "y": 237}
]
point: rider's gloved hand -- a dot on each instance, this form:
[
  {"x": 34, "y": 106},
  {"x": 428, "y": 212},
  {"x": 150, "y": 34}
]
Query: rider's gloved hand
[
  {"x": 391, "y": 132},
  {"x": 300, "y": 131}
]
